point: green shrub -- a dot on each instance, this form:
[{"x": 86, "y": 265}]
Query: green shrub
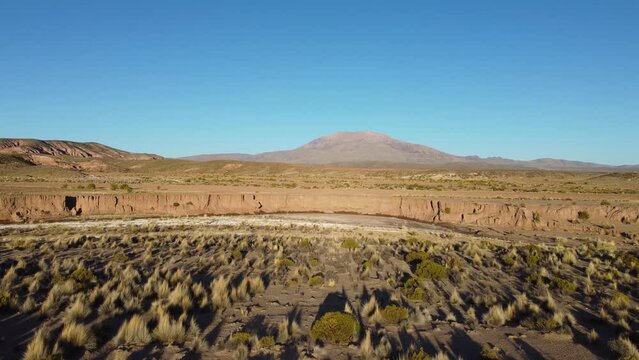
[
  {"x": 447, "y": 210},
  {"x": 368, "y": 264},
  {"x": 532, "y": 254},
  {"x": 125, "y": 187},
  {"x": 534, "y": 279},
  {"x": 605, "y": 202},
  {"x": 583, "y": 215},
  {"x": 428, "y": 269},
  {"x": 564, "y": 286},
  {"x": 83, "y": 277},
  {"x": 240, "y": 338},
  {"x": 415, "y": 256},
  {"x": 546, "y": 324},
  {"x": 91, "y": 186},
  {"x": 508, "y": 259},
  {"x": 237, "y": 255},
  {"x": 284, "y": 262},
  {"x": 394, "y": 314},
  {"x": 304, "y": 244},
  {"x": 120, "y": 256},
  {"x": 316, "y": 280},
  {"x": 413, "y": 289},
  {"x": 490, "y": 353},
  {"x": 336, "y": 327},
  {"x": 313, "y": 262},
  {"x": 267, "y": 342},
  {"x": 416, "y": 355},
  {"x": 350, "y": 244}
]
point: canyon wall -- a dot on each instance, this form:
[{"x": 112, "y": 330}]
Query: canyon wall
[{"x": 22, "y": 208}]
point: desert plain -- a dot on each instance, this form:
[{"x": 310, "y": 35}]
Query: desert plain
[{"x": 164, "y": 258}]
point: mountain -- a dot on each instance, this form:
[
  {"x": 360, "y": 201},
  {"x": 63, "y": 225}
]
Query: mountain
[
  {"x": 60, "y": 152},
  {"x": 371, "y": 149}
]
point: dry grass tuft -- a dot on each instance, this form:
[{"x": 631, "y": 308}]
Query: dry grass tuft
[
  {"x": 38, "y": 348},
  {"x": 133, "y": 331},
  {"x": 495, "y": 316},
  {"x": 169, "y": 331},
  {"x": 625, "y": 348},
  {"x": 78, "y": 335}
]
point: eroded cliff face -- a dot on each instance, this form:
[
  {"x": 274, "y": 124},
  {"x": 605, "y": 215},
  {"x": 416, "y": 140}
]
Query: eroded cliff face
[{"x": 20, "y": 208}]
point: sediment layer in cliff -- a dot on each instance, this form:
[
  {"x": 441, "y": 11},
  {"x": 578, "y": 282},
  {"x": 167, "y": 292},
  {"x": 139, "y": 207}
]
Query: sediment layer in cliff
[{"x": 21, "y": 208}]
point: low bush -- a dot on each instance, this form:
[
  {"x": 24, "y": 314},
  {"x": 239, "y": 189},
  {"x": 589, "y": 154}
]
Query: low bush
[
  {"x": 350, "y": 244},
  {"x": 267, "y": 342},
  {"x": 336, "y": 327},
  {"x": 413, "y": 290},
  {"x": 394, "y": 314},
  {"x": 564, "y": 286},
  {"x": 316, "y": 280},
  {"x": 544, "y": 324},
  {"x": 428, "y": 269},
  {"x": 490, "y": 353},
  {"x": 583, "y": 215}
]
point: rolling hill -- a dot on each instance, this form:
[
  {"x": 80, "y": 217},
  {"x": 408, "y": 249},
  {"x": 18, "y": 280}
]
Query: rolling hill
[{"x": 62, "y": 153}]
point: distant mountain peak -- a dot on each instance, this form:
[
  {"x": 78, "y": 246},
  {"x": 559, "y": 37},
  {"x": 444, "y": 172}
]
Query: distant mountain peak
[{"x": 373, "y": 149}]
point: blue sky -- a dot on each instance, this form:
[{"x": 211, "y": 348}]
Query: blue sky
[{"x": 518, "y": 79}]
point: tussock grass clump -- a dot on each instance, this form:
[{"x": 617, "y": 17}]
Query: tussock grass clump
[
  {"x": 393, "y": 314},
  {"x": 455, "y": 298},
  {"x": 220, "y": 292},
  {"x": 169, "y": 331},
  {"x": 78, "y": 310},
  {"x": 78, "y": 335},
  {"x": 619, "y": 301},
  {"x": 181, "y": 297},
  {"x": 256, "y": 285},
  {"x": 336, "y": 327},
  {"x": 625, "y": 348},
  {"x": 38, "y": 348},
  {"x": 495, "y": 316},
  {"x": 133, "y": 331}
]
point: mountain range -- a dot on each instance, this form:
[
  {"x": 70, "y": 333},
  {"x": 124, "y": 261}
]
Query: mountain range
[
  {"x": 371, "y": 149},
  {"x": 347, "y": 149}
]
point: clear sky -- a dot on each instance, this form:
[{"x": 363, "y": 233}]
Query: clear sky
[{"x": 518, "y": 79}]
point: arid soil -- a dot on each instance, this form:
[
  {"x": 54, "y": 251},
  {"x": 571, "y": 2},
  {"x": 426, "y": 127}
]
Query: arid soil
[
  {"x": 148, "y": 259},
  {"x": 265, "y": 286}
]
